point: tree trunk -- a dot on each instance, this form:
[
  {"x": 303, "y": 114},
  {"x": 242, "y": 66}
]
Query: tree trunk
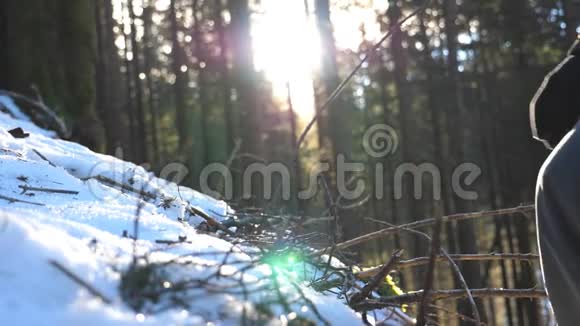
[
  {"x": 108, "y": 79},
  {"x": 178, "y": 61},
  {"x": 321, "y": 127},
  {"x": 387, "y": 118},
  {"x": 202, "y": 84},
  {"x": 488, "y": 101},
  {"x": 141, "y": 132},
  {"x": 129, "y": 104},
  {"x": 297, "y": 169},
  {"x": 224, "y": 72},
  {"x": 148, "y": 59},
  {"x": 400, "y": 69},
  {"x": 246, "y": 85},
  {"x": 459, "y": 142},
  {"x": 100, "y": 76},
  {"x": 516, "y": 22},
  {"x": 338, "y": 114},
  {"x": 439, "y": 119},
  {"x": 52, "y": 45}
]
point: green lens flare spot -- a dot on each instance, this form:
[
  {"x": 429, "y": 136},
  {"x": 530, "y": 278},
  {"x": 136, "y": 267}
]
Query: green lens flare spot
[{"x": 285, "y": 263}]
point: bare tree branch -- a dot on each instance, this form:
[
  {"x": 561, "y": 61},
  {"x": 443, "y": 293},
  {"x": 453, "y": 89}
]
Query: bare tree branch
[
  {"x": 428, "y": 222},
  {"x": 435, "y": 250},
  {"x": 377, "y": 279},
  {"x": 420, "y": 261},
  {"x": 455, "y": 269},
  {"x": 343, "y": 84},
  {"x": 458, "y": 315},
  {"x": 416, "y": 296}
]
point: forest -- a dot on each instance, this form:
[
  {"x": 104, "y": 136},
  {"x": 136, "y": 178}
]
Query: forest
[{"x": 343, "y": 124}]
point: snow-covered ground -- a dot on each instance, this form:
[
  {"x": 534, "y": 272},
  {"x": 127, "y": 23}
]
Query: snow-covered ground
[{"x": 89, "y": 231}]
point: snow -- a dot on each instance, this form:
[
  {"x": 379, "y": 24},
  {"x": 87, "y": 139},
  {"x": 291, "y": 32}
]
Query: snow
[
  {"x": 84, "y": 233},
  {"x": 13, "y": 117},
  {"x": 8, "y": 103}
]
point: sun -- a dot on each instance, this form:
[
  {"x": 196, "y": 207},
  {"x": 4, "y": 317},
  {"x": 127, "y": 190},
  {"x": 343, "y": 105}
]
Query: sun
[{"x": 286, "y": 49}]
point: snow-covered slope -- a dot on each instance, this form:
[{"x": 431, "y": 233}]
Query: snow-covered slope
[{"x": 88, "y": 231}]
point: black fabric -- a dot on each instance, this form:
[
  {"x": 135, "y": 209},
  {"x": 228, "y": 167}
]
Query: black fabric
[
  {"x": 555, "y": 108},
  {"x": 575, "y": 48},
  {"x": 558, "y": 227}
]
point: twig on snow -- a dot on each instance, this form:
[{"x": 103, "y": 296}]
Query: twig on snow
[
  {"x": 80, "y": 281},
  {"x": 16, "y": 200},
  {"x": 43, "y": 157},
  {"x": 57, "y": 191},
  {"x": 114, "y": 184},
  {"x": 210, "y": 220},
  {"x": 172, "y": 242}
]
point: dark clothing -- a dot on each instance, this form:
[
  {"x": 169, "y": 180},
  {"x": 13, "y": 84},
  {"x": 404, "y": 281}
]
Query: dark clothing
[
  {"x": 555, "y": 108},
  {"x": 554, "y": 114},
  {"x": 558, "y": 222},
  {"x": 575, "y": 49}
]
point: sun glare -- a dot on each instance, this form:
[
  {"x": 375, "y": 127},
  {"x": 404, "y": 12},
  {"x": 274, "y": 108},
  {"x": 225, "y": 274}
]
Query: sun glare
[
  {"x": 348, "y": 18},
  {"x": 286, "y": 41},
  {"x": 287, "y": 48}
]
